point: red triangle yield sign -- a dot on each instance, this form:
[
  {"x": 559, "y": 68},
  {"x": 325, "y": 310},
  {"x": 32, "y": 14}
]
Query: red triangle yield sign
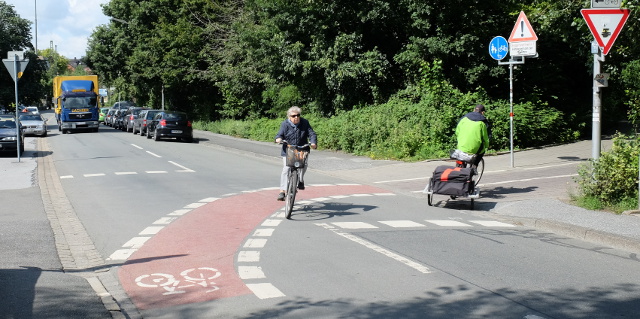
[
  {"x": 605, "y": 25},
  {"x": 522, "y": 31}
]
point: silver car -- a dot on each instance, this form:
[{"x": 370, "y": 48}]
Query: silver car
[{"x": 33, "y": 124}]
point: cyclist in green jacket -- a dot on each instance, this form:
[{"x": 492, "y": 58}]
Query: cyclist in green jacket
[{"x": 472, "y": 132}]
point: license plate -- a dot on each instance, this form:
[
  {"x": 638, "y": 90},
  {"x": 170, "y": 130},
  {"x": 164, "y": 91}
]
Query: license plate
[
  {"x": 176, "y": 131},
  {"x": 81, "y": 123}
]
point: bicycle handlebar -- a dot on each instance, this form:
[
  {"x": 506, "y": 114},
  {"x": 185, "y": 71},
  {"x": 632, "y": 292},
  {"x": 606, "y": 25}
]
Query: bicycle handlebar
[{"x": 296, "y": 146}]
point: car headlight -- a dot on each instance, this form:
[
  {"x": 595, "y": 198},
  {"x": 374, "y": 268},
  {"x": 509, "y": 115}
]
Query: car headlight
[{"x": 9, "y": 138}]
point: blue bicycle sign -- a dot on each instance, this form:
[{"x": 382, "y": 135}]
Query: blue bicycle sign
[{"x": 498, "y": 48}]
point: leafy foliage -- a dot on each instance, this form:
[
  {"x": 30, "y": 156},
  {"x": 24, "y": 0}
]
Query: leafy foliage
[{"x": 613, "y": 178}]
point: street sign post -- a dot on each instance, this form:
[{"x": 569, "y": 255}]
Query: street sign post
[
  {"x": 522, "y": 43},
  {"x": 605, "y": 26},
  {"x": 498, "y": 48},
  {"x": 15, "y": 67}
]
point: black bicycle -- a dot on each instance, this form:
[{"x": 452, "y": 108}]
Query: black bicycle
[{"x": 296, "y": 160}]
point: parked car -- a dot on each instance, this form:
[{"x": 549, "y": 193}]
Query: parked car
[
  {"x": 33, "y": 124},
  {"x": 130, "y": 116},
  {"x": 30, "y": 110},
  {"x": 9, "y": 136},
  {"x": 170, "y": 124},
  {"x": 109, "y": 117},
  {"x": 118, "y": 118},
  {"x": 123, "y": 104},
  {"x": 103, "y": 114},
  {"x": 144, "y": 118}
]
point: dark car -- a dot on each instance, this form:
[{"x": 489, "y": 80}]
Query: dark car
[
  {"x": 9, "y": 136},
  {"x": 118, "y": 118},
  {"x": 170, "y": 124},
  {"x": 130, "y": 116},
  {"x": 144, "y": 118}
]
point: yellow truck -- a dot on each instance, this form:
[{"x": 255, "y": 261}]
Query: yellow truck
[{"x": 76, "y": 102}]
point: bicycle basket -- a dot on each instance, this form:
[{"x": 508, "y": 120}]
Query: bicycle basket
[{"x": 296, "y": 158}]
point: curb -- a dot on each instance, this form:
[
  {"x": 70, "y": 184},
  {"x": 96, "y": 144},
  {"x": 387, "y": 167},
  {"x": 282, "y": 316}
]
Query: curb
[{"x": 579, "y": 232}]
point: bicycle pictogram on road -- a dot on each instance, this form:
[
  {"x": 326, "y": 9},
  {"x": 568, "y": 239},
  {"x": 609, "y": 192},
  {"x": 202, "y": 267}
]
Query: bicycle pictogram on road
[{"x": 193, "y": 277}]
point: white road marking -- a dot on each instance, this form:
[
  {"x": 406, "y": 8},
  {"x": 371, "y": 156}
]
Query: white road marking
[
  {"x": 136, "y": 242},
  {"x": 528, "y": 179},
  {"x": 184, "y": 169},
  {"x": 66, "y": 176},
  {"x": 265, "y": 290},
  {"x": 255, "y": 243},
  {"x": 250, "y": 272},
  {"x": 362, "y": 195},
  {"x": 156, "y": 172},
  {"x": 195, "y": 205},
  {"x": 448, "y": 223},
  {"x": 263, "y": 232},
  {"x": 401, "y": 180},
  {"x": 271, "y": 222},
  {"x": 136, "y": 146},
  {"x": 94, "y": 175},
  {"x": 122, "y": 254},
  {"x": 151, "y": 230},
  {"x": 491, "y": 223},
  {"x": 164, "y": 220},
  {"x": 156, "y": 155},
  {"x": 417, "y": 266},
  {"x": 354, "y": 225},
  {"x": 126, "y": 173},
  {"x": 209, "y": 200},
  {"x": 249, "y": 256},
  {"x": 179, "y": 212},
  {"x": 550, "y": 166},
  {"x": 401, "y": 223}
]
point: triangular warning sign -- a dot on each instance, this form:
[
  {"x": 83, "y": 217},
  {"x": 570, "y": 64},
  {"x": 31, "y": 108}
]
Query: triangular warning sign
[
  {"x": 522, "y": 31},
  {"x": 605, "y": 25}
]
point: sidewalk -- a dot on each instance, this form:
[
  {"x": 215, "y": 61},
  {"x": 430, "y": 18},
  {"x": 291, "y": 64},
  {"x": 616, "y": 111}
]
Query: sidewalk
[{"x": 542, "y": 206}]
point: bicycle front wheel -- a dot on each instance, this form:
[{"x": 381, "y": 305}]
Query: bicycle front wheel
[{"x": 292, "y": 189}]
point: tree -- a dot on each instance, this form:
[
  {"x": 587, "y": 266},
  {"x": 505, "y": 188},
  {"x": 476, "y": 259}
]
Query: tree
[{"x": 15, "y": 36}]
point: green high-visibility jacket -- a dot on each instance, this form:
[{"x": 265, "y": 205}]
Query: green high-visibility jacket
[{"x": 472, "y": 134}]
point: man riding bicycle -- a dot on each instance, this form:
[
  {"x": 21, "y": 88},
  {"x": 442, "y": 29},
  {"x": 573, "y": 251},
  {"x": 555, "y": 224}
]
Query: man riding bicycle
[
  {"x": 473, "y": 132},
  {"x": 298, "y": 132}
]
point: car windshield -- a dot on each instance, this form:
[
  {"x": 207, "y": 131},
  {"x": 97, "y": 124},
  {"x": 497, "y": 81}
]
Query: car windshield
[
  {"x": 175, "y": 116},
  {"x": 79, "y": 102},
  {"x": 30, "y": 118},
  {"x": 7, "y": 124}
]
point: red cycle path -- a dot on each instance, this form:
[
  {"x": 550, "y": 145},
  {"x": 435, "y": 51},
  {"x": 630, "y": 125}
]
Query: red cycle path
[{"x": 207, "y": 237}]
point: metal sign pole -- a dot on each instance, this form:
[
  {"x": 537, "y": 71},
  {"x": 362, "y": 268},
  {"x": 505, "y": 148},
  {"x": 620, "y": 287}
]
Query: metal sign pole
[
  {"x": 597, "y": 104},
  {"x": 15, "y": 70},
  {"x": 511, "y": 111},
  {"x": 511, "y": 62}
]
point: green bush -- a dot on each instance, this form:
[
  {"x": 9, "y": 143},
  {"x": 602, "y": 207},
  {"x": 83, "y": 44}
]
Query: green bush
[
  {"x": 413, "y": 127},
  {"x": 613, "y": 178}
]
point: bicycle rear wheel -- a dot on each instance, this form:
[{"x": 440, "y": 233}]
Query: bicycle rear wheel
[
  {"x": 480, "y": 171},
  {"x": 292, "y": 189}
]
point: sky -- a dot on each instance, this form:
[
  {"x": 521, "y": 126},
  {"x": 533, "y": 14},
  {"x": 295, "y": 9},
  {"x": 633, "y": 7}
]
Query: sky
[{"x": 68, "y": 23}]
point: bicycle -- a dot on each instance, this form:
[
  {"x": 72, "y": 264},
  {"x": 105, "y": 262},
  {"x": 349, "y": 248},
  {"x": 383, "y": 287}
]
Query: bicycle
[{"x": 296, "y": 159}]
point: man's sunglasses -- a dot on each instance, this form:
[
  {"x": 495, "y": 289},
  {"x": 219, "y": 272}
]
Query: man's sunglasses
[{"x": 295, "y": 115}]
